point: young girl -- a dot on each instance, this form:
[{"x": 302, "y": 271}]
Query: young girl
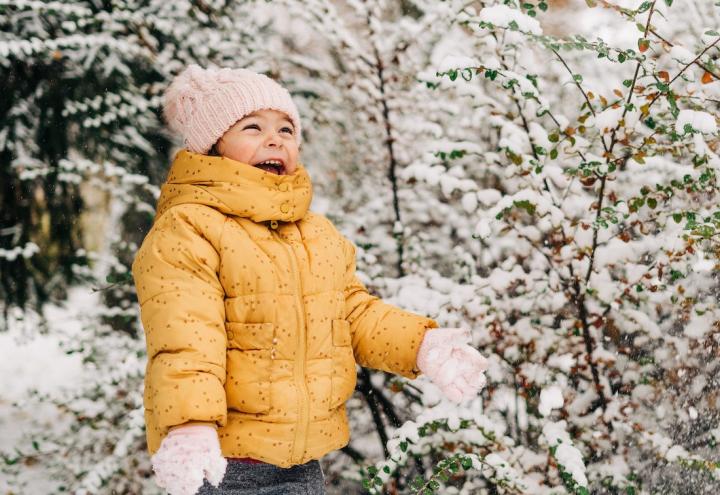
[{"x": 253, "y": 316}]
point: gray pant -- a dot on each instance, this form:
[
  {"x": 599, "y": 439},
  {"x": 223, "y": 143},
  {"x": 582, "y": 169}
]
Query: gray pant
[{"x": 267, "y": 479}]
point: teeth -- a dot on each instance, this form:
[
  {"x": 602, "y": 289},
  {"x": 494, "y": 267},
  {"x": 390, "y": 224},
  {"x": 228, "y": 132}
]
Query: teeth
[{"x": 271, "y": 162}]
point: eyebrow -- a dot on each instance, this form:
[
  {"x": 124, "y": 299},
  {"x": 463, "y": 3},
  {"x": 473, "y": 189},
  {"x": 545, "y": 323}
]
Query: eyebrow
[{"x": 255, "y": 114}]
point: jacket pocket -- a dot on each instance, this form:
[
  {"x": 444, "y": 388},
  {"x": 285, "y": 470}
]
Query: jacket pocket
[
  {"x": 249, "y": 360},
  {"x": 344, "y": 376}
]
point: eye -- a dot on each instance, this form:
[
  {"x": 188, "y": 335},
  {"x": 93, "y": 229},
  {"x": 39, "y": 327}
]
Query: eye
[
  {"x": 251, "y": 125},
  {"x": 289, "y": 129}
]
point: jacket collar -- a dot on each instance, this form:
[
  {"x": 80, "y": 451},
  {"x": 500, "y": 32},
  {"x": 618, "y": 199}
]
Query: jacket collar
[{"x": 235, "y": 188}]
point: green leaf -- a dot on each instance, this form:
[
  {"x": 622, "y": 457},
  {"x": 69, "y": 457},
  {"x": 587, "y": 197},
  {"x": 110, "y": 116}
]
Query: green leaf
[
  {"x": 553, "y": 138},
  {"x": 621, "y": 57},
  {"x": 652, "y": 203},
  {"x": 525, "y": 205},
  {"x": 516, "y": 159},
  {"x": 539, "y": 150},
  {"x": 673, "y": 103},
  {"x": 553, "y": 153},
  {"x": 578, "y": 78},
  {"x": 677, "y": 217}
]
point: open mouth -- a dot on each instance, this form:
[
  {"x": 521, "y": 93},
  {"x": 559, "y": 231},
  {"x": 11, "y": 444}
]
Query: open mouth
[{"x": 271, "y": 166}]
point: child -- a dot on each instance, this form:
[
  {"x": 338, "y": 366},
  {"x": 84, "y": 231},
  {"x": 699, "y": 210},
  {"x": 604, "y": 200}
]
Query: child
[{"x": 253, "y": 316}]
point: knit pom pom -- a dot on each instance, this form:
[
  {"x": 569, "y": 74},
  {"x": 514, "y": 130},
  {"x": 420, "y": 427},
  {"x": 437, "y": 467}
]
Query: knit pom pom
[{"x": 184, "y": 95}]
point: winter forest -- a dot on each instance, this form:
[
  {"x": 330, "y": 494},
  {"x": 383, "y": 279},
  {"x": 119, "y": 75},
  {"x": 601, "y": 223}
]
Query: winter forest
[{"x": 541, "y": 172}]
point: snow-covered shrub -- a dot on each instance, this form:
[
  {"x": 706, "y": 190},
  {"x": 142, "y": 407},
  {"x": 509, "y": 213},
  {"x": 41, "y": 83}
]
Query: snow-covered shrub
[
  {"x": 591, "y": 194},
  {"x": 545, "y": 174}
]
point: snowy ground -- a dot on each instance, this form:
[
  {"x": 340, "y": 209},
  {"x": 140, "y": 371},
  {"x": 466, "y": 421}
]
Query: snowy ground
[{"x": 33, "y": 362}]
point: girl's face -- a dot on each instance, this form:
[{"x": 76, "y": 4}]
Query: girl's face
[{"x": 260, "y": 136}]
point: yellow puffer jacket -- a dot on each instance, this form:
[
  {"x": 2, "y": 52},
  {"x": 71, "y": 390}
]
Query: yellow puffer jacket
[{"x": 253, "y": 316}]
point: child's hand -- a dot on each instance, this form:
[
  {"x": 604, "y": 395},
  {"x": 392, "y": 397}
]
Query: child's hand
[
  {"x": 454, "y": 366},
  {"x": 187, "y": 455}
]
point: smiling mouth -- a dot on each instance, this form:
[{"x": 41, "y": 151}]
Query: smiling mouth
[{"x": 272, "y": 168}]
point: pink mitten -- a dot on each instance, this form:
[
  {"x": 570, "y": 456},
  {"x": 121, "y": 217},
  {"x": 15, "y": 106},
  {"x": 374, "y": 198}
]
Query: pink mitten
[
  {"x": 187, "y": 455},
  {"x": 453, "y": 365}
]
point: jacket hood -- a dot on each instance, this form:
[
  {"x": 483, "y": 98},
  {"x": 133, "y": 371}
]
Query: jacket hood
[{"x": 235, "y": 188}]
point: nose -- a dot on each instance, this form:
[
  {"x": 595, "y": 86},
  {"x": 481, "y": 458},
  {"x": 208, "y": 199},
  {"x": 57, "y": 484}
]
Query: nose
[{"x": 273, "y": 139}]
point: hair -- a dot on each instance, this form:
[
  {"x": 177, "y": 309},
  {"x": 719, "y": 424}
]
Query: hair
[{"x": 213, "y": 151}]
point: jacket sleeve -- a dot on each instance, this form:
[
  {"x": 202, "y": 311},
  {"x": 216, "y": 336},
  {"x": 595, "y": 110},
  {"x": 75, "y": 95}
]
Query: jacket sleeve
[
  {"x": 183, "y": 315},
  {"x": 384, "y": 336}
]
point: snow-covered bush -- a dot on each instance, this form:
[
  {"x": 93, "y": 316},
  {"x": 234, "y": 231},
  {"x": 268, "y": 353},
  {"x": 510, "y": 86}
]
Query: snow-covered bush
[
  {"x": 587, "y": 228},
  {"x": 545, "y": 174}
]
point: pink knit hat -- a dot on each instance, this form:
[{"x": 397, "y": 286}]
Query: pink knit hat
[{"x": 201, "y": 104}]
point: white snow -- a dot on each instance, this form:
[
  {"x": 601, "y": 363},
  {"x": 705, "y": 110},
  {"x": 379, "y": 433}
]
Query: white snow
[
  {"x": 681, "y": 54},
  {"x": 451, "y": 61},
  {"x": 489, "y": 196},
  {"x": 700, "y": 121},
  {"x": 39, "y": 362},
  {"x": 502, "y": 15},
  {"x": 563, "y": 362},
  {"x": 469, "y": 202},
  {"x": 550, "y": 398},
  {"x": 608, "y": 119},
  {"x": 700, "y": 324},
  {"x": 566, "y": 454}
]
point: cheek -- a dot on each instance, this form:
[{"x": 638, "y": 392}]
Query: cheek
[
  {"x": 293, "y": 151},
  {"x": 239, "y": 150}
]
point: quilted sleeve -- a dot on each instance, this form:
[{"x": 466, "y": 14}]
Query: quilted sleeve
[
  {"x": 183, "y": 316},
  {"x": 384, "y": 336}
]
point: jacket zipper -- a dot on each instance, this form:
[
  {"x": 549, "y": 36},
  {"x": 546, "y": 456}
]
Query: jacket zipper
[{"x": 303, "y": 407}]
